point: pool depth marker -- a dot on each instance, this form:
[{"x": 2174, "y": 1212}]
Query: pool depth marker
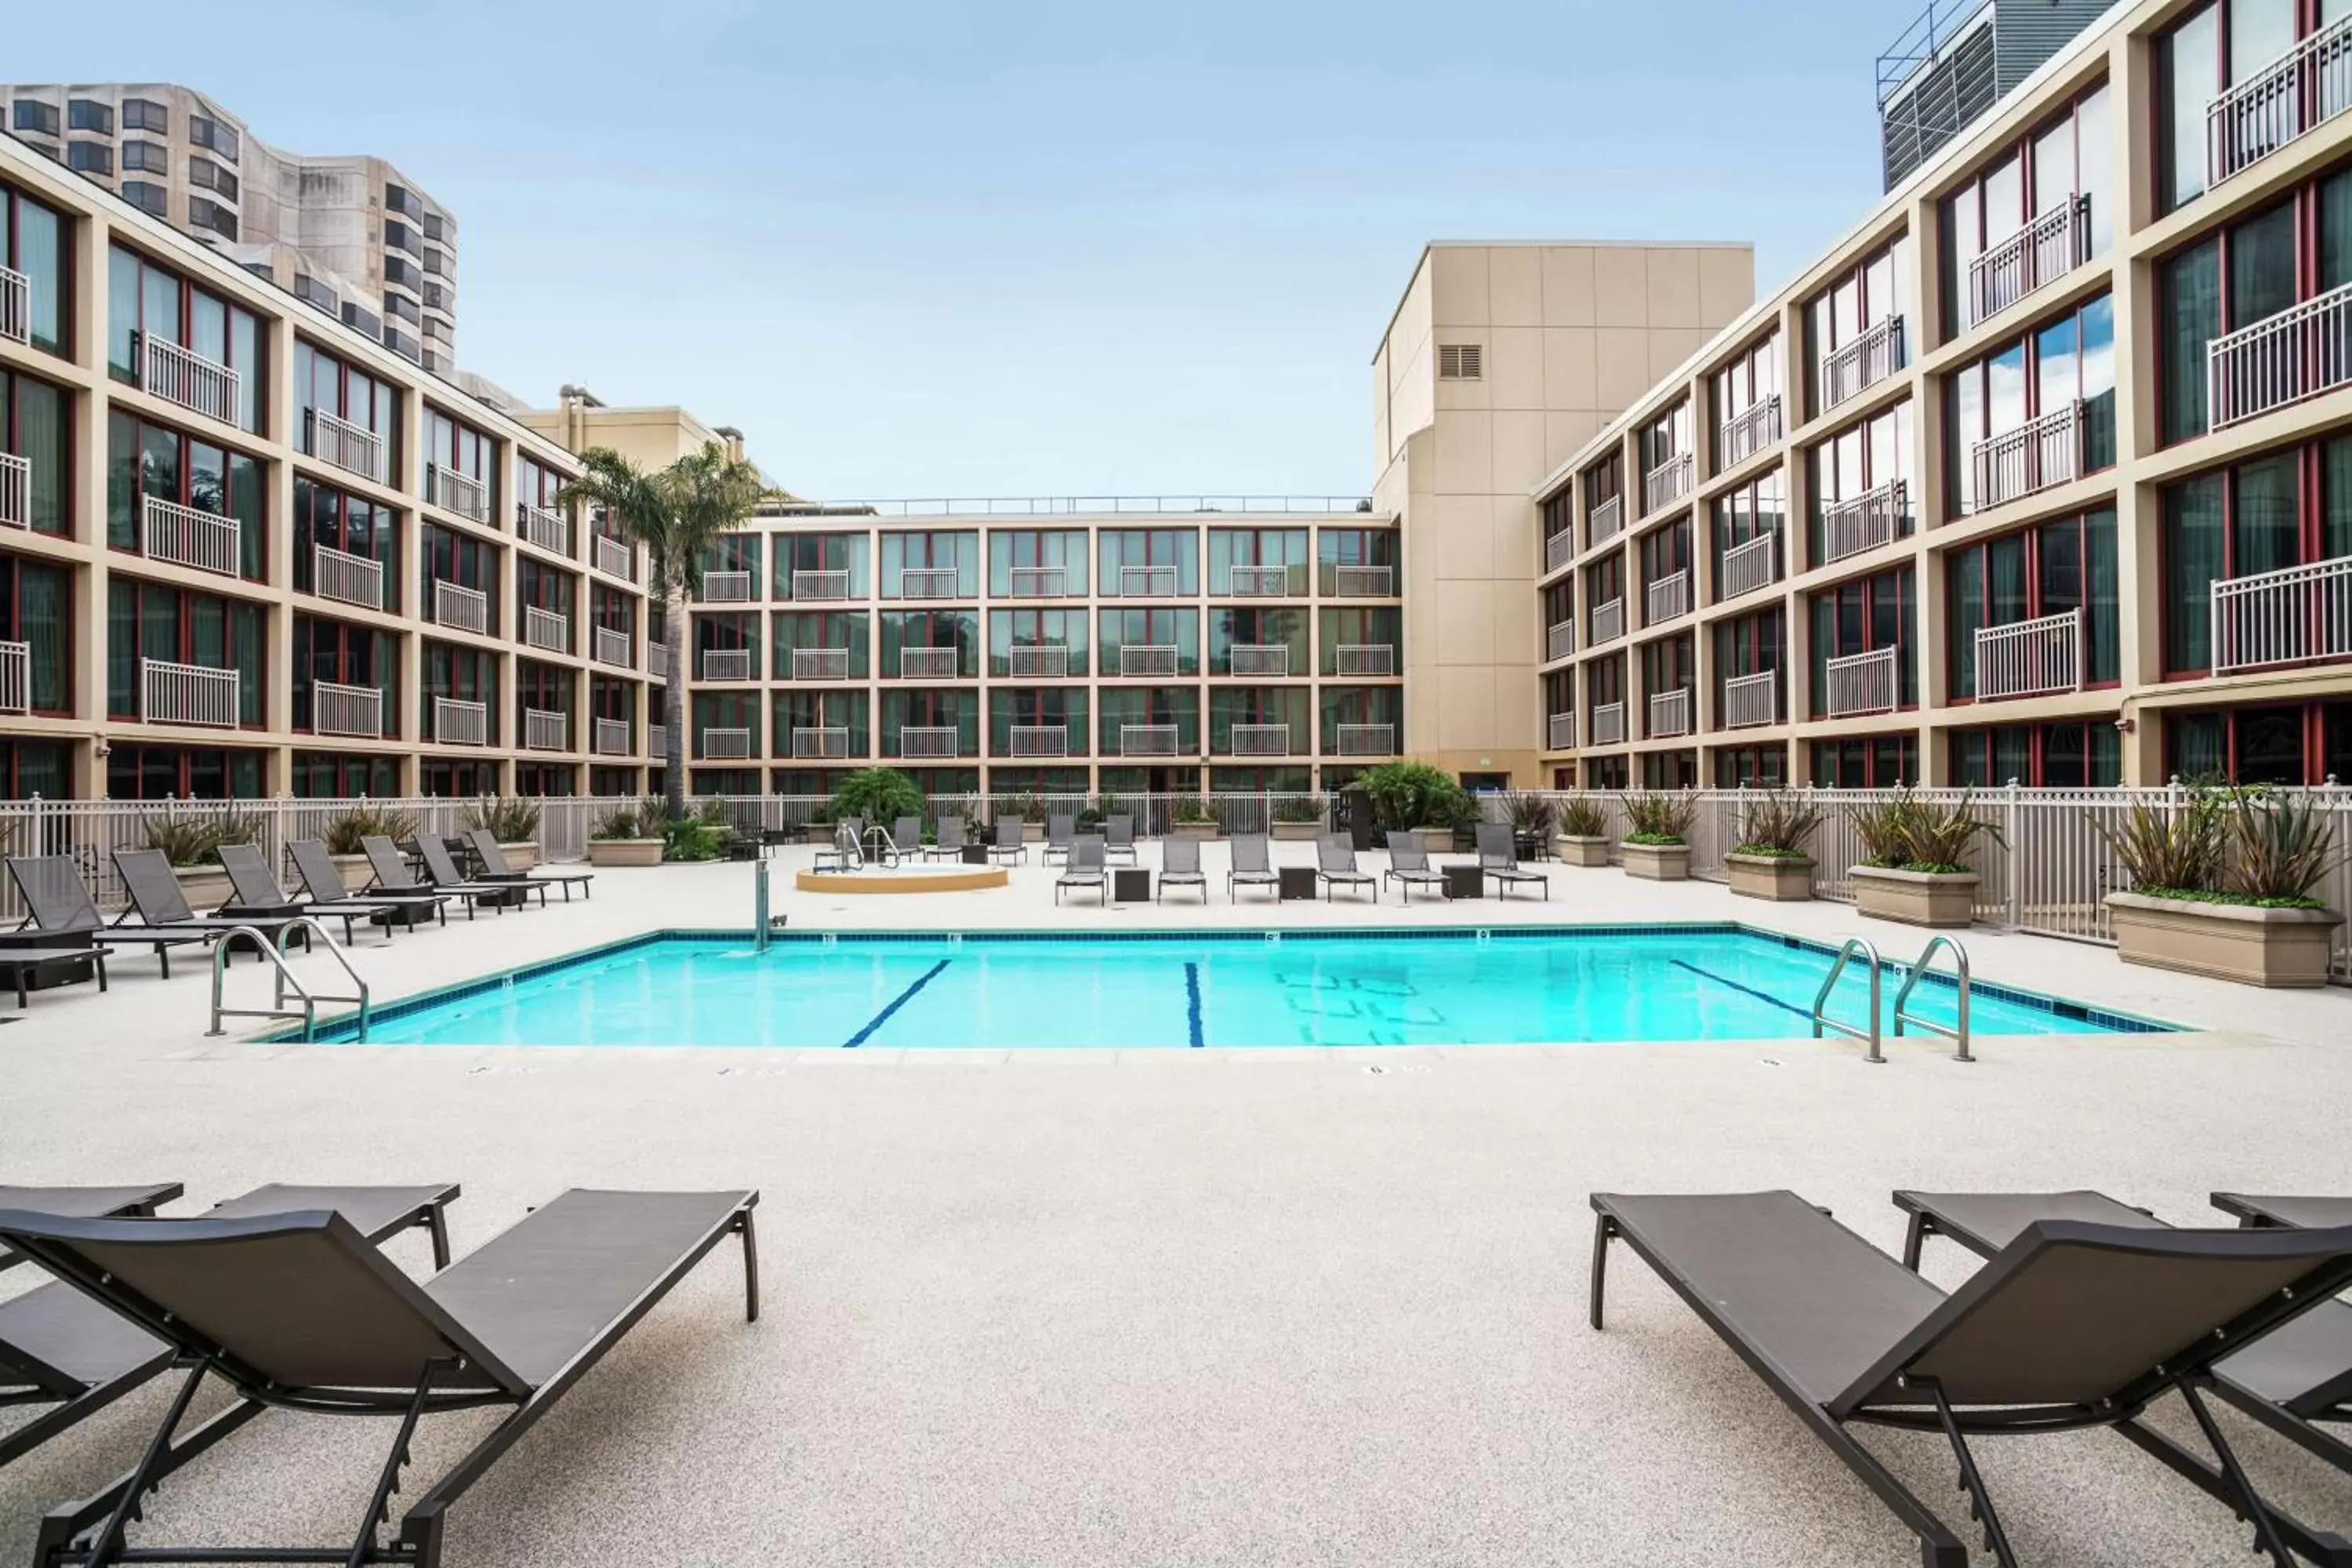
[
  {"x": 1192, "y": 1003},
  {"x": 897, "y": 1002}
]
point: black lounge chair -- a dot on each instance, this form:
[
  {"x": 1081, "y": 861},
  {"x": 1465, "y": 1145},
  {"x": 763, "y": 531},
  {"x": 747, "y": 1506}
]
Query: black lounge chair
[
  {"x": 1180, "y": 867},
  {"x": 296, "y": 1310},
  {"x": 61, "y": 1348},
  {"x": 951, "y": 839},
  {"x": 1408, "y": 865},
  {"x": 258, "y": 888},
  {"x": 2288, "y": 1213},
  {"x": 1011, "y": 841},
  {"x": 494, "y": 867},
  {"x": 155, "y": 894},
  {"x": 1335, "y": 866},
  {"x": 322, "y": 879},
  {"x": 1251, "y": 866},
  {"x": 26, "y": 962},
  {"x": 393, "y": 880},
  {"x": 441, "y": 870},
  {"x": 2071, "y": 1325},
  {"x": 1118, "y": 836},
  {"x": 1086, "y": 867},
  {"x": 906, "y": 839},
  {"x": 1061, "y": 832},
  {"x": 1498, "y": 856},
  {"x": 57, "y": 904}
]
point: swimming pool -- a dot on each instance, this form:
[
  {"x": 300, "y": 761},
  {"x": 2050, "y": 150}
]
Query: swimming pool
[{"x": 1186, "y": 989}]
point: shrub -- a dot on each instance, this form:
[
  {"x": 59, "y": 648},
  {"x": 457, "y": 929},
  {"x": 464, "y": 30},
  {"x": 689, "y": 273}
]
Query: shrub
[
  {"x": 2280, "y": 847},
  {"x": 197, "y": 841},
  {"x": 1904, "y": 833},
  {"x": 877, "y": 795},
  {"x": 511, "y": 819},
  {"x": 1531, "y": 814},
  {"x": 1884, "y": 826},
  {"x": 2180, "y": 848},
  {"x": 1778, "y": 825},
  {"x": 1658, "y": 817},
  {"x": 1192, "y": 809},
  {"x": 1302, "y": 808},
  {"x": 1581, "y": 816},
  {"x": 689, "y": 839},
  {"x": 364, "y": 821},
  {"x": 1414, "y": 794},
  {"x": 623, "y": 824}
]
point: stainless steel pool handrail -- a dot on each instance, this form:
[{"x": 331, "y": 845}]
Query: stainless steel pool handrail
[
  {"x": 275, "y": 953},
  {"x": 1958, "y": 1034},
  {"x": 1821, "y": 1020}
]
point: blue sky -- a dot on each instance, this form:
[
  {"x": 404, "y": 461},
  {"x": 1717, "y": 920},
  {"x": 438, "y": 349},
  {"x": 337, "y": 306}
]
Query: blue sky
[{"x": 928, "y": 250}]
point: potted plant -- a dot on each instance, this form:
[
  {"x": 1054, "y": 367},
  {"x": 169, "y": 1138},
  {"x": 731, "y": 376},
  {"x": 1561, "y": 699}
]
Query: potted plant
[
  {"x": 1193, "y": 819},
  {"x": 512, "y": 820},
  {"x": 1658, "y": 847},
  {"x": 1915, "y": 860},
  {"x": 620, "y": 838},
  {"x": 1301, "y": 817},
  {"x": 345, "y": 830},
  {"x": 1771, "y": 860},
  {"x": 691, "y": 838},
  {"x": 1583, "y": 838},
  {"x": 1532, "y": 817},
  {"x": 191, "y": 845},
  {"x": 1419, "y": 797},
  {"x": 2221, "y": 887}
]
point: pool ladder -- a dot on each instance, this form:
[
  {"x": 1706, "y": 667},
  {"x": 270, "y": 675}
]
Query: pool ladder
[
  {"x": 1855, "y": 946},
  {"x": 275, "y": 953}
]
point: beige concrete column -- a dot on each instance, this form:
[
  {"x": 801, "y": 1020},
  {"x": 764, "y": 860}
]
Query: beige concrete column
[{"x": 86, "y": 762}]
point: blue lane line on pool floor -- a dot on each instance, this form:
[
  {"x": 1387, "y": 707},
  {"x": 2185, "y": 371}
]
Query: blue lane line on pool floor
[
  {"x": 1747, "y": 990},
  {"x": 1192, "y": 1002},
  {"x": 897, "y": 1002}
]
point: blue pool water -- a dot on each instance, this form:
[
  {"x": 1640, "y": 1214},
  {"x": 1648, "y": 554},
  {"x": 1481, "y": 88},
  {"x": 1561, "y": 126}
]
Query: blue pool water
[{"x": 1179, "y": 991}]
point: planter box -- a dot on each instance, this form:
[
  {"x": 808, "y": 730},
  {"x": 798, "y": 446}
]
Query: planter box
[
  {"x": 1770, "y": 876},
  {"x": 206, "y": 888},
  {"x": 1436, "y": 840},
  {"x": 520, "y": 856},
  {"x": 1943, "y": 899},
  {"x": 1657, "y": 862},
  {"x": 2224, "y": 942},
  {"x": 819, "y": 833},
  {"x": 1300, "y": 832},
  {"x": 1202, "y": 831},
  {"x": 625, "y": 851},
  {"x": 1574, "y": 849},
  {"x": 354, "y": 869}
]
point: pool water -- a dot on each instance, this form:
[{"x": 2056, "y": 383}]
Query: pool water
[{"x": 1179, "y": 991}]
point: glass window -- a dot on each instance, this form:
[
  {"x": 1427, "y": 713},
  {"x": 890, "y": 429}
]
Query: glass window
[
  {"x": 89, "y": 157},
  {"x": 34, "y": 115},
  {"x": 2188, "y": 72},
  {"x": 89, "y": 114}
]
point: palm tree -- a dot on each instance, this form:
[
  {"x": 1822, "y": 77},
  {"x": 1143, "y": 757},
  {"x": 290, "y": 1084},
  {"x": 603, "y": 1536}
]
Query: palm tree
[{"x": 674, "y": 514}]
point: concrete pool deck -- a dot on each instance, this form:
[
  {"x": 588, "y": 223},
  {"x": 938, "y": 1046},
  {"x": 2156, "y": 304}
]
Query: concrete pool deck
[{"x": 1176, "y": 1307}]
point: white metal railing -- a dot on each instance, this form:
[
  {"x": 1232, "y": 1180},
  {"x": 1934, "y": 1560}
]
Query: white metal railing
[
  {"x": 727, "y": 664},
  {"x": 2035, "y": 455},
  {"x": 1147, "y": 581},
  {"x": 1257, "y": 582},
  {"x": 928, "y": 582},
  {"x": 819, "y": 664},
  {"x": 656, "y": 740},
  {"x": 1868, "y": 520},
  {"x": 1562, "y": 733},
  {"x": 1148, "y": 740},
  {"x": 1862, "y": 683},
  {"x": 550, "y": 531},
  {"x": 2301, "y": 352},
  {"x": 614, "y": 558},
  {"x": 1147, "y": 658},
  {"x": 656, "y": 659},
  {"x": 186, "y": 537},
  {"x": 1750, "y": 431},
  {"x": 609, "y": 737},
  {"x": 2285, "y": 616},
  {"x": 15, "y": 305},
  {"x": 455, "y": 605},
  {"x": 928, "y": 741},
  {"x": 726, "y": 587},
  {"x": 337, "y": 709},
  {"x": 1372, "y": 658},
  {"x": 612, "y": 646},
  {"x": 1667, "y": 483},
  {"x": 1364, "y": 739},
  {"x": 1363, "y": 582},
  {"x": 2025, "y": 658},
  {"x": 187, "y": 378},
  {"x": 16, "y": 678},
  {"x": 545, "y": 729},
  {"x": 461, "y": 493},
  {"x": 354, "y": 448},
  {"x": 1668, "y": 596},
  {"x": 731, "y": 743},
  {"x": 1258, "y": 659},
  {"x": 1559, "y": 640},
  {"x": 2043, "y": 251},
  {"x": 1607, "y": 521},
  {"x": 349, "y": 579},
  {"x": 15, "y": 490},
  {"x": 1608, "y": 724},
  {"x": 1560, "y": 550},
  {"x": 1608, "y": 622},
  {"x": 1749, "y": 699},
  {"x": 1261, "y": 740},
  {"x": 1852, "y": 368},
  {"x": 821, "y": 742},
  {"x": 1670, "y": 713},
  {"x": 1752, "y": 564},
  {"x": 1040, "y": 583},
  {"x": 456, "y": 722},
  {"x": 2303, "y": 88},
  {"x": 927, "y": 663},
  {"x": 1041, "y": 740},
  {"x": 1039, "y": 661},
  {"x": 546, "y": 630},
  {"x": 821, "y": 584}
]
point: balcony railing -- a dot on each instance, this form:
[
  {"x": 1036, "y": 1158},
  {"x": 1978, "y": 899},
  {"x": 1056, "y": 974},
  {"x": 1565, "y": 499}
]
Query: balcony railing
[
  {"x": 1668, "y": 597},
  {"x": 1750, "y": 565},
  {"x": 927, "y": 663},
  {"x": 1862, "y": 683},
  {"x": 1854, "y": 368},
  {"x": 1148, "y": 740},
  {"x": 546, "y": 630},
  {"x": 15, "y": 676},
  {"x": 726, "y": 587},
  {"x": 1608, "y": 724},
  {"x": 658, "y": 741},
  {"x": 461, "y": 493},
  {"x": 187, "y": 378},
  {"x": 821, "y": 584},
  {"x": 347, "y": 578},
  {"x": 1147, "y": 658},
  {"x": 1363, "y": 739},
  {"x": 1261, "y": 740},
  {"x": 821, "y": 664},
  {"x": 609, "y": 738},
  {"x": 1561, "y": 732},
  {"x": 1559, "y": 640},
  {"x": 455, "y": 605},
  {"x": 1608, "y": 520},
  {"x": 1258, "y": 659},
  {"x": 460, "y": 723},
  {"x": 612, "y": 647},
  {"x": 2025, "y": 658},
  {"x": 550, "y": 531},
  {"x": 727, "y": 664},
  {"x": 2301, "y": 352},
  {"x": 822, "y": 744},
  {"x": 930, "y": 741},
  {"x": 1257, "y": 582},
  {"x": 1670, "y": 713},
  {"x": 340, "y": 709},
  {"x": 2288, "y": 616},
  {"x": 1560, "y": 550},
  {"x": 1606, "y": 622},
  {"x": 15, "y": 305},
  {"x": 2303, "y": 88},
  {"x": 1364, "y": 659},
  {"x": 2041, "y": 253},
  {"x": 186, "y": 537},
  {"x": 1041, "y": 740},
  {"x": 1040, "y": 583},
  {"x": 1667, "y": 483},
  {"x": 1750, "y": 431},
  {"x": 1039, "y": 661},
  {"x": 187, "y": 694},
  {"x": 1870, "y": 520},
  {"x": 1363, "y": 582},
  {"x": 354, "y": 448},
  {"x": 1751, "y": 700},
  {"x": 656, "y": 659},
  {"x": 614, "y": 558},
  {"x": 15, "y": 491},
  {"x": 928, "y": 582},
  {"x": 1147, "y": 581},
  {"x": 2035, "y": 455},
  {"x": 545, "y": 729},
  {"x": 732, "y": 744}
]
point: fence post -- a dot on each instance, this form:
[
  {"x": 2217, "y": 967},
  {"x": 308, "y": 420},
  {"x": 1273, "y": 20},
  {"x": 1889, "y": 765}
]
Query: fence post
[{"x": 2015, "y": 831}]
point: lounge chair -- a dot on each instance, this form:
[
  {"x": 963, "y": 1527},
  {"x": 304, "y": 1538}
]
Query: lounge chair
[
  {"x": 2288, "y": 1213},
  {"x": 496, "y": 869},
  {"x": 1251, "y": 866},
  {"x": 950, "y": 844},
  {"x": 1118, "y": 836},
  {"x": 297, "y": 1310},
  {"x": 1012, "y": 840},
  {"x": 61, "y": 1348},
  {"x": 1060, "y": 833},
  {"x": 2071, "y": 1325},
  {"x": 393, "y": 880},
  {"x": 257, "y": 887},
  {"x": 1086, "y": 867},
  {"x": 1180, "y": 867},
  {"x": 1335, "y": 865},
  {"x": 1498, "y": 856},
  {"x": 441, "y": 869},
  {"x": 22, "y": 964},
  {"x": 846, "y": 853},
  {"x": 323, "y": 880},
  {"x": 58, "y": 904},
  {"x": 1408, "y": 865},
  {"x": 155, "y": 894},
  {"x": 906, "y": 838}
]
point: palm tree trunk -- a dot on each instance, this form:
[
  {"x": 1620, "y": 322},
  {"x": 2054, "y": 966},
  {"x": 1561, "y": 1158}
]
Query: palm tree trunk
[{"x": 674, "y": 618}]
